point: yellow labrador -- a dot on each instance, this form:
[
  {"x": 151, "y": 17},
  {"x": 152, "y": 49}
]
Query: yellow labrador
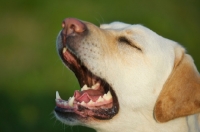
[{"x": 131, "y": 79}]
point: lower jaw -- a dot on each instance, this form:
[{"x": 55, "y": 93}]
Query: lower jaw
[{"x": 85, "y": 113}]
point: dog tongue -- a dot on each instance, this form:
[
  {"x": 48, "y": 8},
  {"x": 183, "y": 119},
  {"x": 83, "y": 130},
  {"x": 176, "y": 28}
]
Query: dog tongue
[{"x": 87, "y": 95}]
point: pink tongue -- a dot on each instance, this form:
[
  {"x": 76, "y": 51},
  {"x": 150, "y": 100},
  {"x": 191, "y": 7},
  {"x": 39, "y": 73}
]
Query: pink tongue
[{"x": 87, "y": 95}]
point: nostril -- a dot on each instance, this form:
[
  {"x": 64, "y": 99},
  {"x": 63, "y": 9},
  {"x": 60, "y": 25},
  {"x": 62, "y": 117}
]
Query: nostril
[{"x": 72, "y": 25}]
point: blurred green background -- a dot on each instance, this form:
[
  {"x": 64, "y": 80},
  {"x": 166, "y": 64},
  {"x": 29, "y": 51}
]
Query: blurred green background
[{"x": 31, "y": 70}]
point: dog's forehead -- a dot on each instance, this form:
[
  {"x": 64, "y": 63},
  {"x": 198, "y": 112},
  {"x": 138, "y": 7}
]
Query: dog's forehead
[{"x": 115, "y": 25}]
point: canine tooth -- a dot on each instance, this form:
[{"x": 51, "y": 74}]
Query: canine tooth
[
  {"x": 71, "y": 101},
  {"x": 64, "y": 50},
  {"x": 100, "y": 99},
  {"x": 107, "y": 96},
  {"x": 57, "y": 95},
  {"x": 85, "y": 87}
]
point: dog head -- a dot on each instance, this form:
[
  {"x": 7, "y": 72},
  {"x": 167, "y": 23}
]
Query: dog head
[{"x": 124, "y": 70}]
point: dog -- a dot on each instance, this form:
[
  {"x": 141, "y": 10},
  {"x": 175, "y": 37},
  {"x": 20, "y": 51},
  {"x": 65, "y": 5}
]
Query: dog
[{"x": 131, "y": 79}]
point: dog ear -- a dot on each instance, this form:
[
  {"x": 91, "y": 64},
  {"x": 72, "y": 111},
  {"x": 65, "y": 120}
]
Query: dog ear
[{"x": 180, "y": 95}]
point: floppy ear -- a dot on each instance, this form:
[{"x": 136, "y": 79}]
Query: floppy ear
[{"x": 180, "y": 95}]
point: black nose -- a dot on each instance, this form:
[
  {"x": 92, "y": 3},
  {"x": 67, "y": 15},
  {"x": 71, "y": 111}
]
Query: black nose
[{"x": 72, "y": 25}]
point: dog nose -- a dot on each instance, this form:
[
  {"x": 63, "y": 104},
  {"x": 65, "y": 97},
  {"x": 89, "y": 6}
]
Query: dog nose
[{"x": 72, "y": 25}]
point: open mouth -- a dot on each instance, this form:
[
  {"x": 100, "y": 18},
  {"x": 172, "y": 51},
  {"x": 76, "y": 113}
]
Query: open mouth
[{"x": 95, "y": 99}]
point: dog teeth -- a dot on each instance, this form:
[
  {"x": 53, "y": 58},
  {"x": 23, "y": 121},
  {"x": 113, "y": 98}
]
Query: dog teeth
[
  {"x": 71, "y": 101},
  {"x": 83, "y": 103},
  {"x": 64, "y": 50},
  {"x": 107, "y": 96},
  {"x": 57, "y": 95},
  {"x": 96, "y": 86},
  {"x": 100, "y": 99},
  {"x": 65, "y": 104},
  {"x": 85, "y": 87},
  {"x": 91, "y": 103}
]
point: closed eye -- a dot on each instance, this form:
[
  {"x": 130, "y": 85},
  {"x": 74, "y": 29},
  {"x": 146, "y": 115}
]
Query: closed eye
[{"x": 123, "y": 39}]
